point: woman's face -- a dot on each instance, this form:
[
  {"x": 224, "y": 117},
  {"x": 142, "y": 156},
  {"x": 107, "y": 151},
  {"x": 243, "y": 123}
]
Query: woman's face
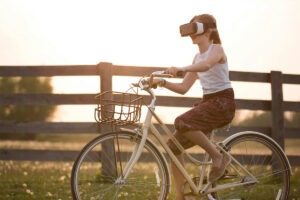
[{"x": 199, "y": 39}]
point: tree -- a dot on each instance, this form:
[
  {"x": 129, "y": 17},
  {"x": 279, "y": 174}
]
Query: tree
[
  {"x": 293, "y": 120},
  {"x": 258, "y": 118},
  {"x": 264, "y": 119},
  {"x": 30, "y": 85}
]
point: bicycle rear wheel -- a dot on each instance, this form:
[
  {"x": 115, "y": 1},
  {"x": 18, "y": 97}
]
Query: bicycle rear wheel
[
  {"x": 98, "y": 170},
  {"x": 264, "y": 159}
]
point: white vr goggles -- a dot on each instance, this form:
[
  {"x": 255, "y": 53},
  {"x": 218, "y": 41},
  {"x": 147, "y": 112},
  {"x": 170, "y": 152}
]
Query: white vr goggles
[{"x": 195, "y": 28}]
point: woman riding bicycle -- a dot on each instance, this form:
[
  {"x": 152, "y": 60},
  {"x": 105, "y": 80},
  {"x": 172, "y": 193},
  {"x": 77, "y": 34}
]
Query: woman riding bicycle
[{"x": 216, "y": 109}]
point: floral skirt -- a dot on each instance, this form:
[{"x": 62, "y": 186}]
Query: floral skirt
[{"x": 213, "y": 111}]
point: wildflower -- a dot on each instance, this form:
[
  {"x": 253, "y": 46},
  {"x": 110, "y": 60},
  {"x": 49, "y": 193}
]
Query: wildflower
[
  {"x": 62, "y": 178},
  {"x": 49, "y": 194},
  {"x": 29, "y": 192}
]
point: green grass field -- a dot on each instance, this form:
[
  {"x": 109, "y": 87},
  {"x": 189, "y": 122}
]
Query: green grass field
[
  {"x": 50, "y": 180},
  {"x": 22, "y": 180},
  {"x": 34, "y": 180}
]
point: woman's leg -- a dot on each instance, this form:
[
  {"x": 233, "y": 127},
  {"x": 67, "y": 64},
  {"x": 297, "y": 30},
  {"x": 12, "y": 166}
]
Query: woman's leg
[
  {"x": 199, "y": 138},
  {"x": 178, "y": 178},
  {"x": 219, "y": 161}
]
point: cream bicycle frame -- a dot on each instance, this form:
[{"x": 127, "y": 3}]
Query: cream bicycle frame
[{"x": 196, "y": 188}]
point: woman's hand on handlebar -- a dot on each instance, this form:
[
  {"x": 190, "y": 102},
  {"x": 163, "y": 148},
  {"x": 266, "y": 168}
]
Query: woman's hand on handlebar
[
  {"x": 157, "y": 78},
  {"x": 174, "y": 71},
  {"x": 158, "y": 82}
]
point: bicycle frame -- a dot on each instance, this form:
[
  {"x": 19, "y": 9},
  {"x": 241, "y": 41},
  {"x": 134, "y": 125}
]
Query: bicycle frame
[
  {"x": 144, "y": 132},
  {"x": 136, "y": 166}
]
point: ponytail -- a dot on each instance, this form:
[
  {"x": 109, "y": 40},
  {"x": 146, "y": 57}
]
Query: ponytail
[{"x": 215, "y": 37}]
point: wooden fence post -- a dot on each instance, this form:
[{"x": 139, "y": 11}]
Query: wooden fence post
[
  {"x": 277, "y": 108},
  {"x": 105, "y": 71},
  {"x": 109, "y": 169}
]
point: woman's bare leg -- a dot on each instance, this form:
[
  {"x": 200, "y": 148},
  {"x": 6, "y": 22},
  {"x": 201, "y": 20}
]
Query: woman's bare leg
[
  {"x": 199, "y": 138},
  {"x": 178, "y": 178}
]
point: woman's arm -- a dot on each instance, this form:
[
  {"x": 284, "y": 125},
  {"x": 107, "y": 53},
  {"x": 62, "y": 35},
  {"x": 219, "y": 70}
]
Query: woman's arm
[
  {"x": 216, "y": 55},
  {"x": 181, "y": 88},
  {"x": 187, "y": 82}
]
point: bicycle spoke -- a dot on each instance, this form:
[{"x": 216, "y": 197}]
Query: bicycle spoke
[
  {"x": 92, "y": 179},
  {"x": 262, "y": 159}
]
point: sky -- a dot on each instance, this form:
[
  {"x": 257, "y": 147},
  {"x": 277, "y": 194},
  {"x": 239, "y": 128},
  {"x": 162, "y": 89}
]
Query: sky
[{"x": 257, "y": 35}]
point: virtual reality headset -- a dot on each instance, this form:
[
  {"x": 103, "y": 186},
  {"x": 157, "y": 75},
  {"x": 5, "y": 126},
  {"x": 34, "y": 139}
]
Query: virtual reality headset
[{"x": 195, "y": 28}]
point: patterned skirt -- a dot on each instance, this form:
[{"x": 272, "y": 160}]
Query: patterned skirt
[{"x": 213, "y": 111}]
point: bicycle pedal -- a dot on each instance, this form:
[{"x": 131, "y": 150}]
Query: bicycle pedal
[{"x": 249, "y": 180}]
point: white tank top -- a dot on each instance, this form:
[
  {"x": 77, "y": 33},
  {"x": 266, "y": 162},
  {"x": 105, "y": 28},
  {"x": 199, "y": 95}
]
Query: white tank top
[{"x": 216, "y": 78}]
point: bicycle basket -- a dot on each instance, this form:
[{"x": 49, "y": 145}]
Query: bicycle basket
[{"x": 118, "y": 108}]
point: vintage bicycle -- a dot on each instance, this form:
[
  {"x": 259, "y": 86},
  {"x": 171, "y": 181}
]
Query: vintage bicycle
[{"x": 132, "y": 163}]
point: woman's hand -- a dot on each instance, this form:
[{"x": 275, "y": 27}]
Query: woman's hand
[
  {"x": 158, "y": 82},
  {"x": 174, "y": 71}
]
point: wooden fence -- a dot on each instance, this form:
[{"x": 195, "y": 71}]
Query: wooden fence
[{"x": 106, "y": 71}]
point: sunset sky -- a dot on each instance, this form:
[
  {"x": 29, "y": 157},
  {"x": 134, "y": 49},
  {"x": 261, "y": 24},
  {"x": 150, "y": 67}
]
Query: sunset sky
[{"x": 257, "y": 35}]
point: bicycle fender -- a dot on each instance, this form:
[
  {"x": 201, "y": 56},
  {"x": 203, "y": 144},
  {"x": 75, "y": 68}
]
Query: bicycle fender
[{"x": 240, "y": 134}]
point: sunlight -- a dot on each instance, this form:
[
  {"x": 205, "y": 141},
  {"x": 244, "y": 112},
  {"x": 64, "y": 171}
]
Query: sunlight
[
  {"x": 76, "y": 84},
  {"x": 146, "y": 34}
]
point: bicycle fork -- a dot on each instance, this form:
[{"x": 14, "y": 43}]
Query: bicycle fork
[
  {"x": 138, "y": 149},
  {"x": 133, "y": 159}
]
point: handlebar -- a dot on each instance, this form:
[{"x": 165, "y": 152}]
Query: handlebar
[
  {"x": 147, "y": 82},
  {"x": 159, "y": 74}
]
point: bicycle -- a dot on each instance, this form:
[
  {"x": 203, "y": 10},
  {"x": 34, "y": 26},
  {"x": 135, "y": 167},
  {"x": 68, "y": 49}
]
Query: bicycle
[{"x": 128, "y": 164}]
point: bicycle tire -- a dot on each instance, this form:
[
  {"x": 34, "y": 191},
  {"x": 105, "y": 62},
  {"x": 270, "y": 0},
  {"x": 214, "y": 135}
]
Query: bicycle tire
[
  {"x": 262, "y": 157},
  {"x": 94, "y": 174}
]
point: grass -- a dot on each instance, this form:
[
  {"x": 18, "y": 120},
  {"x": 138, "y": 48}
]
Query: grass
[
  {"x": 51, "y": 180},
  {"x": 34, "y": 180}
]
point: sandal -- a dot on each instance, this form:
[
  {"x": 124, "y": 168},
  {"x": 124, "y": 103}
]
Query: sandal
[{"x": 217, "y": 172}]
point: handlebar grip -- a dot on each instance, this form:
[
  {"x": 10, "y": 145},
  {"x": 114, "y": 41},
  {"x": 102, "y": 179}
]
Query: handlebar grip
[
  {"x": 180, "y": 74},
  {"x": 154, "y": 86}
]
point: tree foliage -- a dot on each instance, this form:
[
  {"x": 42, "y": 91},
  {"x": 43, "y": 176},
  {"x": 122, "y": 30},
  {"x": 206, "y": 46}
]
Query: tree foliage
[
  {"x": 264, "y": 119},
  {"x": 30, "y": 85},
  {"x": 293, "y": 121},
  {"x": 20, "y": 113}
]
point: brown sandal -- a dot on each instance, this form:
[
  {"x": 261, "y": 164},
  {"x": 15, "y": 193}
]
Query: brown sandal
[{"x": 217, "y": 172}]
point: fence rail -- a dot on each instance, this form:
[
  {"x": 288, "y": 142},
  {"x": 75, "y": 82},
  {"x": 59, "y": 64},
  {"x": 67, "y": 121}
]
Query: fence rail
[{"x": 106, "y": 71}]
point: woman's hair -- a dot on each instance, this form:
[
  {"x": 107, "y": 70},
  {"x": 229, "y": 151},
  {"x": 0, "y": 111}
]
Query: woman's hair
[{"x": 206, "y": 18}]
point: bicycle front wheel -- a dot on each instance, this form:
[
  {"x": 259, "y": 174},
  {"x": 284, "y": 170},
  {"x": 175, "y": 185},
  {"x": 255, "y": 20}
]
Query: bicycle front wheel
[
  {"x": 265, "y": 160},
  {"x": 99, "y": 170}
]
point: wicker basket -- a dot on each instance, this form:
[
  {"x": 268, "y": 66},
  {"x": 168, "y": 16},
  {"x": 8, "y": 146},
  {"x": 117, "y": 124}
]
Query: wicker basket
[{"x": 118, "y": 108}]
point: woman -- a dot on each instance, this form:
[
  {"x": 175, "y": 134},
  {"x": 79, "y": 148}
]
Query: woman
[{"x": 217, "y": 107}]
